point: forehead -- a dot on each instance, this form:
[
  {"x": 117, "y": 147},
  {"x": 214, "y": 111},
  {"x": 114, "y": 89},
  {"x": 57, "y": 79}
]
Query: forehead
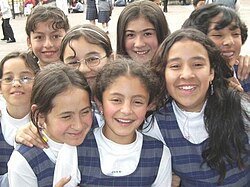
[
  {"x": 188, "y": 48},
  {"x": 140, "y": 23},
  {"x": 220, "y": 21},
  {"x": 16, "y": 65},
  {"x": 48, "y": 25},
  {"x": 82, "y": 47}
]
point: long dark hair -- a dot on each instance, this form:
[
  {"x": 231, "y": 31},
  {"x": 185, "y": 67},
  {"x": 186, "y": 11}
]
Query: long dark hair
[{"x": 224, "y": 112}]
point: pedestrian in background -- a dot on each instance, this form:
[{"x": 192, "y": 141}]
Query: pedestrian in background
[
  {"x": 6, "y": 14},
  {"x": 91, "y": 11},
  {"x": 105, "y": 8}
]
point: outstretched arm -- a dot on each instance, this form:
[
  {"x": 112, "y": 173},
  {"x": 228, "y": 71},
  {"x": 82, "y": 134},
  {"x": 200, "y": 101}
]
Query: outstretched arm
[{"x": 28, "y": 135}]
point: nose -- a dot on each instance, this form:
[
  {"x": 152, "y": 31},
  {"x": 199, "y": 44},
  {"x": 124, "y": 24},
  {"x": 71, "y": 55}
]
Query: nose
[
  {"x": 77, "y": 123},
  {"x": 186, "y": 72},
  {"x": 139, "y": 42},
  {"x": 126, "y": 107},
  {"x": 228, "y": 40},
  {"x": 48, "y": 43},
  {"x": 84, "y": 68},
  {"x": 16, "y": 83}
]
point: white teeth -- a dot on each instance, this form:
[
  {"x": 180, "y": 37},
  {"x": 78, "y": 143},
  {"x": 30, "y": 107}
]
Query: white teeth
[
  {"x": 124, "y": 121},
  {"x": 229, "y": 54},
  {"x": 141, "y": 52},
  {"x": 187, "y": 87}
]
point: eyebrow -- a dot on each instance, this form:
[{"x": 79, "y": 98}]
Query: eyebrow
[
  {"x": 22, "y": 72},
  {"x": 133, "y": 96},
  {"x": 75, "y": 57},
  {"x": 144, "y": 30},
  {"x": 193, "y": 58},
  {"x": 71, "y": 112}
]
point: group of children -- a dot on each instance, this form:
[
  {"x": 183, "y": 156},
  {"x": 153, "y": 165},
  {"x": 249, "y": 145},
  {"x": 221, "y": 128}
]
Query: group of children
[{"x": 164, "y": 103}]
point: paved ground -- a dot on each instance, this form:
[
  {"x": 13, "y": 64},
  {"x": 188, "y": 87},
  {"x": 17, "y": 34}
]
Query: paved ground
[{"x": 175, "y": 17}]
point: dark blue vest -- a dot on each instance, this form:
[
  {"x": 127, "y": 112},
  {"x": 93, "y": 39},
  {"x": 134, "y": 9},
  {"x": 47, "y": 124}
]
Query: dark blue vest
[
  {"x": 187, "y": 160},
  {"x": 144, "y": 175},
  {"x": 42, "y": 166},
  {"x": 5, "y": 152}
]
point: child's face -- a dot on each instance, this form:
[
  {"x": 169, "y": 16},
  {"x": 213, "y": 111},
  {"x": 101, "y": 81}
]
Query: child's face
[
  {"x": 71, "y": 118},
  {"x": 188, "y": 74},
  {"x": 17, "y": 94},
  {"x": 141, "y": 40},
  {"x": 227, "y": 39},
  {"x": 125, "y": 103},
  {"x": 45, "y": 42},
  {"x": 85, "y": 50}
]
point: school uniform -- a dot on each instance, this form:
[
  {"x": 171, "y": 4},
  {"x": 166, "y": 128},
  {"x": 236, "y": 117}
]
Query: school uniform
[
  {"x": 40, "y": 167},
  {"x": 105, "y": 8},
  {"x": 186, "y": 154},
  {"x": 145, "y": 162},
  {"x": 8, "y": 128},
  {"x": 6, "y": 151},
  {"x": 91, "y": 10}
]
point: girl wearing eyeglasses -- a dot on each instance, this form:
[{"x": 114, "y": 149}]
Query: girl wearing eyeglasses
[
  {"x": 87, "y": 48},
  {"x": 17, "y": 74}
]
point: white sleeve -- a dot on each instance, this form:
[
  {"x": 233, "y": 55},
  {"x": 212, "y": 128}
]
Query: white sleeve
[
  {"x": 164, "y": 177},
  {"x": 19, "y": 171},
  {"x": 153, "y": 130}
]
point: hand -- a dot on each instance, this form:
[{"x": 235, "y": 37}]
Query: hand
[
  {"x": 28, "y": 135},
  {"x": 63, "y": 181},
  {"x": 243, "y": 63},
  {"x": 235, "y": 84},
  {"x": 176, "y": 180}
]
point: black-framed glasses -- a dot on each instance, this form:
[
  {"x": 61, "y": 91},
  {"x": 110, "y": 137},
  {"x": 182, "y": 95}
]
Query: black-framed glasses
[
  {"x": 91, "y": 62},
  {"x": 22, "y": 80}
]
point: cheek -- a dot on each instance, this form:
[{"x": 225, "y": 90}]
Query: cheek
[
  {"x": 128, "y": 44},
  {"x": 108, "y": 109},
  {"x": 141, "y": 113},
  {"x": 88, "y": 121},
  {"x": 57, "y": 43},
  {"x": 153, "y": 42},
  {"x": 238, "y": 45},
  {"x": 100, "y": 66}
]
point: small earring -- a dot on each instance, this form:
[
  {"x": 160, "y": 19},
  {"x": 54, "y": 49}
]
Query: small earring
[
  {"x": 45, "y": 139},
  {"x": 211, "y": 88},
  {"x": 101, "y": 112}
]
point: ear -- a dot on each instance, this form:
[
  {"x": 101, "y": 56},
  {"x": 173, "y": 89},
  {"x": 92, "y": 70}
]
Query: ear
[
  {"x": 29, "y": 43},
  {"x": 112, "y": 57},
  {"x": 98, "y": 105},
  {"x": 211, "y": 74},
  {"x": 41, "y": 117}
]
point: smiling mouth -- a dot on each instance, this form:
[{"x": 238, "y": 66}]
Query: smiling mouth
[
  {"x": 124, "y": 122},
  {"x": 141, "y": 52},
  {"x": 187, "y": 88},
  {"x": 17, "y": 93},
  {"x": 49, "y": 52},
  {"x": 227, "y": 54}
]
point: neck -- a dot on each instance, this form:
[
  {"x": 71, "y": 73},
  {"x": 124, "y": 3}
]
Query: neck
[{"x": 18, "y": 112}]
